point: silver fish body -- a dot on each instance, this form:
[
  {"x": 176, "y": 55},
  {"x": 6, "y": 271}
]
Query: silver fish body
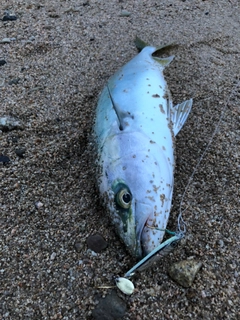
[{"x": 135, "y": 129}]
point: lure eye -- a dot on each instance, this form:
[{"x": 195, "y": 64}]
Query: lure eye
[
  {"x": 124, "y": 198},
  {"x": 174, "y": 244}
]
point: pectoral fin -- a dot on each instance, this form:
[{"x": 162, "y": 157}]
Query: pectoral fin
[{"x": 179, "y": 115}]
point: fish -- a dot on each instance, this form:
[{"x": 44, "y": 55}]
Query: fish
[{"x": 135, "y": 128}]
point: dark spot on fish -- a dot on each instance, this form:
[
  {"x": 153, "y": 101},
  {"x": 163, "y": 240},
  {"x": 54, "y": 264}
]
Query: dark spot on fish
[
  {"x": 149, "y": 85},
  {"x": 134, "y": 156},
  {"x": 151, "y": 141},
  {"x": 161, "y": 108},
  {"x": 124, "y": 168},
  {"x": 155, "y": 188},
  {"x": 162, "y": 198},
  {"x": 151, "y": 198},
  {"x": 156, "y": 95},
  {"x": 163, "y": 148}
]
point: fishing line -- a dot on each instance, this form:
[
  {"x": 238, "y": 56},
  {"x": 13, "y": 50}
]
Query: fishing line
[{"x": 181, "y": 222}]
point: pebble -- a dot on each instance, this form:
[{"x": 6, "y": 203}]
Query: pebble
[
  {"x": 110, "y": 308},
  {"x": 14, "y": 81},
  {"x": 4, "y": 159},
  {"x": 2, "y": 81},
  {"x": 2, "y": 62},
  {"x": 20, "y": 152},
  {"x": 96, "y": 243},
  {"x": 38, "y": 205},
  {"x": 91, "y": 253},
  {"x": 9, "y": 16},
  {"x": 78, "y": 246},
  {"x": 184, "y": 272},
  {"x": 5, "y": 40},
  {"x": 9, "y": 123},
  {"x": 15, "y": 139},
  {"x": 125, "y": 13}
]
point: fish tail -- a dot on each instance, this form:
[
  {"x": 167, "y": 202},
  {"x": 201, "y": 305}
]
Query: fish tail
[{"x": 140, "y": 44}]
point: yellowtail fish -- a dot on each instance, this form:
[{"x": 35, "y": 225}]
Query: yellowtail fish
[{"x": 135, "y": 128}]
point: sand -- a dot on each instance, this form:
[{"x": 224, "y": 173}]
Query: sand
[{"x": 59, "y": 56}]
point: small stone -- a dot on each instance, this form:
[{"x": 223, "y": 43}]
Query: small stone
[
  {"x": 14, "y": 81},
  {"x": 2, "y": 62},
  {"x": 110, "y": 308},
  {"x": 15, "y": 139},
  {"x": 2, "y": 81},
  {"x": 54, "y": 15},
  {"x": 5, "y": 40},
  {"x": 20, "y": 152},
  {"x": 9, "y": 123},
  {"x": 96, "y": 243},
  {"x": 221, "y": 243},
  {"x": 9, "y": 17},
  {"x": 4, "y": 159},
  {"x": 184, "y": 272},
  {"x": 38, "y": 205},
  {"x": 125, "y": 13},
  {"x": 92, "y": 253},
  {"x": 53, "y": 256},
  {"x": 78, "y": 246}
]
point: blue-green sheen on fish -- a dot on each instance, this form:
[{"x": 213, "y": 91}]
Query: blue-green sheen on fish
[{"x": 135, "y": 129}]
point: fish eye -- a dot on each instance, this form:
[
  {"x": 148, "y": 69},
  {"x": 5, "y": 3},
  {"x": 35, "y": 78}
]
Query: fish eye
[{"x": 124, "y": 198}]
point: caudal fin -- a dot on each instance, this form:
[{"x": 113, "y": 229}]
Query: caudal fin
[{"x": 140, "y": 44}]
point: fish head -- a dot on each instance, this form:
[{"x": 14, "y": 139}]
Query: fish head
[{"x": 137, "y": 190}]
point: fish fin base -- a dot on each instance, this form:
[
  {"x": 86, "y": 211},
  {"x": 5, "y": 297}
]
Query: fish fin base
[
  {"x": 179, "y": 115},
  {"x": 164, "y": 61}
]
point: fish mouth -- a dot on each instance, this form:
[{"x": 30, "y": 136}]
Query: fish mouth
[{"x": 143, "y": 211}]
